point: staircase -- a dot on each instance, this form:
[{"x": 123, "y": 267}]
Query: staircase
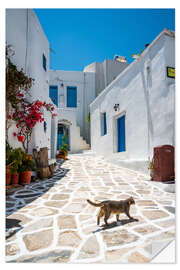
[{"x": 78, "y": 144}]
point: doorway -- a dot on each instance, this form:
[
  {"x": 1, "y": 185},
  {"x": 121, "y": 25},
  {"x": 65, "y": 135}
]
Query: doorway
[
  {"x": 63, "y": 130},
  {"x": 121, "y": 135}
]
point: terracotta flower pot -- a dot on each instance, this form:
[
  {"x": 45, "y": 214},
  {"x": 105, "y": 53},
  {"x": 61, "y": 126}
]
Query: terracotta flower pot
[
  {"x": 8, "y": 176},
  {"x": 62, "y": 155},
  {"x": 29, "y": 157},
  {"x": 15, "y": 178},
  {"x": 25, "y": 177}
]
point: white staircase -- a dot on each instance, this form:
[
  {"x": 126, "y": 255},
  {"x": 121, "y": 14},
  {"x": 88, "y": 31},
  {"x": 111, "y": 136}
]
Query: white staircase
[{"x": 78, "y": 144}]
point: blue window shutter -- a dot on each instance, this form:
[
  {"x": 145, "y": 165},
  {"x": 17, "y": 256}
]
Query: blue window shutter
[
  {"x": 121, "y": 134},
  {"x": 72, "y": 97},
  {"x": 44, "y": 62},
  {"x": 105, "y": 125},
  {"x": 53, "y": 94}
]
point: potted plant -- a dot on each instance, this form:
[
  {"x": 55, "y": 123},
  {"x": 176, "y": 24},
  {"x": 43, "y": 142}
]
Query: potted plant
[
  {"x": 14, "y": 174},
  {"x": 9, "y": 163},
  {"x": 26, "y": 170},
  {"x": 17, "y": 157},
  {"x": 151, "y": 168},
  {"x": 63, "y": 150}
]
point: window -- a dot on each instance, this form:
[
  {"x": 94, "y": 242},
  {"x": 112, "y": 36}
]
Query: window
[
  {"x": 53, "y": 94},
  {"x": 103, "y": 124},
  {"x": 71, "y": 96},
  {"x": 44, "y": 62}
]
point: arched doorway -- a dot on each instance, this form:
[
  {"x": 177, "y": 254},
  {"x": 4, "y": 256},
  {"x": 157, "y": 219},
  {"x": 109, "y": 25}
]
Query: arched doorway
[{"x": 63, "y": 130}]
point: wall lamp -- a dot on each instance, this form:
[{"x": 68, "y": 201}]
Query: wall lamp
[
  {"x": 116, "y": 107},
  {"x": 62, "y": 84}
]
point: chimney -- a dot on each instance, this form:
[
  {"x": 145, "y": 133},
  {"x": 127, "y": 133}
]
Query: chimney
[{"x": 119, "y": 58}]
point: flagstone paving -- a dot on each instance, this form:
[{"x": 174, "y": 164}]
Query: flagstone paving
[{"x": 51, "y": 221}]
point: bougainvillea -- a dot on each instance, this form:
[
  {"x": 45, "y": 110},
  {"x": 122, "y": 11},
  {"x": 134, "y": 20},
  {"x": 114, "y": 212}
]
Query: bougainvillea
[{"x": 27, "y": 115}]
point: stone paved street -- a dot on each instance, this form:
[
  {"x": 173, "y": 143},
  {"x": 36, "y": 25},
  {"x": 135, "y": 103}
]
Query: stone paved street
[{"x": 51, "y": 221}]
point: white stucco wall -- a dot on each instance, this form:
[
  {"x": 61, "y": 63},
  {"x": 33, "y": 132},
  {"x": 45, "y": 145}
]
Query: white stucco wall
[
  {"x": 146, "y": 96},
  {"x": 25, "y": 34},
  {"x": 105, "y": 72}
]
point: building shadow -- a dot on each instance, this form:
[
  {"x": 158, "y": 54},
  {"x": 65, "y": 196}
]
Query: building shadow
[
  {"x": 115, "y": 224},
  {"x": 12, "y": 227}
]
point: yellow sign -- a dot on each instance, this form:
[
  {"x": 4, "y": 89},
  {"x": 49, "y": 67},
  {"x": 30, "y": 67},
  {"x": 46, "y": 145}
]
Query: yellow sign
[{"x": 171, "y": 72}]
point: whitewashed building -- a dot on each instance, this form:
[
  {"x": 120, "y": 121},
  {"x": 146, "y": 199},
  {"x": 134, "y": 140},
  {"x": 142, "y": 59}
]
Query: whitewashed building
[
  {"x": 136, "y": 111},
  {"x": 131, "y": 105},
  {"x": 31, "y": 53},
  {"x": 73, "y": 92}
]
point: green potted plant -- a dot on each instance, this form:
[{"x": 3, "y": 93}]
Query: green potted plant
[
  {"x": 26, "y": 170},
  {"x": 17, "y": 156},
  {"x": 151, "y": 168},
  {"x": 14, "y": 174},
  {"x": 63, "y": 149},
  {"x": 8, "y": 163}
]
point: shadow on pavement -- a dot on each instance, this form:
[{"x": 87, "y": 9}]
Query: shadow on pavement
[
  {"x": 116, "y": 224},
  {"x": 23, "y": 195},
  {"x": 12, "y": 227}
]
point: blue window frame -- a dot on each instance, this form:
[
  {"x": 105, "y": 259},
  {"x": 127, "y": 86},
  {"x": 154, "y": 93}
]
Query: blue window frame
[
  {"x": 53, "y": 94},
  {"x": 103, "y": 124},
  {"x": 44, "y": 61},
  {"x": 72, "y": 96}
]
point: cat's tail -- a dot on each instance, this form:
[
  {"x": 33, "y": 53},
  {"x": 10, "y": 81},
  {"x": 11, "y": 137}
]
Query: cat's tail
[{"x": 95, "y": 204}]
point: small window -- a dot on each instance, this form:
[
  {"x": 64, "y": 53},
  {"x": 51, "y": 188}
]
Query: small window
[
  {"x": 44, "y": 62},
  {"x": 71, "y": 96},
  {"x": 103, "y": 124},
  {"x": 53, "y": 94}
]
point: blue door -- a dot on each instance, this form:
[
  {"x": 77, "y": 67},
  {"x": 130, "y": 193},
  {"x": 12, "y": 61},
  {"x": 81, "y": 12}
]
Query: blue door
[
  {"x": 53, "y": 94},
  {"x": 60, "y": 135},
  {"x": 121, "y": 134}
]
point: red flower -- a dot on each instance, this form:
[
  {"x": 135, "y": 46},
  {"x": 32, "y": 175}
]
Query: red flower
[
  {"x": 9, "y": 117},
  {"x": 20, "y": 95},
  {"x": 14, "y": 134}
]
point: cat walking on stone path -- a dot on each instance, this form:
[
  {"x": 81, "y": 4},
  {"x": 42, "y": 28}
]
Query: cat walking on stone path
[{"x": 113, "y": 207}]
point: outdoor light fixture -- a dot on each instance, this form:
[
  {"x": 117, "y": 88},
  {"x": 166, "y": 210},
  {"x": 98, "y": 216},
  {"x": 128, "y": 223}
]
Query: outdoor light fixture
[
  {"x": 58, "y": 79},
  {"x": 116, "y": 107}
]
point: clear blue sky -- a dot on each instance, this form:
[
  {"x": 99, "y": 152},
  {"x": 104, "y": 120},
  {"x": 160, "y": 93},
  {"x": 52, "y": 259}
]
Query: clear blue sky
[{"x": 83, "y": 36}]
